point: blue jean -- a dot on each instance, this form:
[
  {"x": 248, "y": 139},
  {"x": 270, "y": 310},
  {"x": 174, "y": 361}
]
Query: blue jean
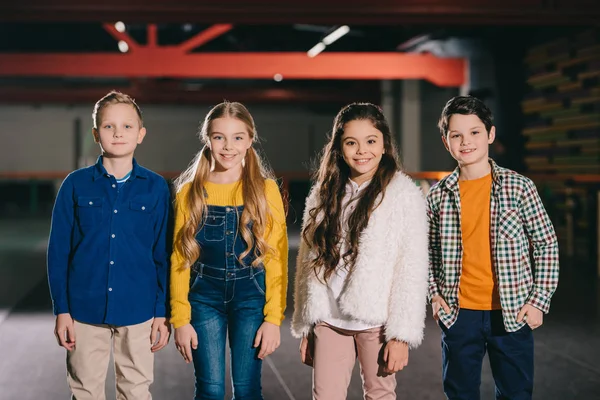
[
  {"x": 227, "y": 301},
  {"x": 464, "y": 345}
]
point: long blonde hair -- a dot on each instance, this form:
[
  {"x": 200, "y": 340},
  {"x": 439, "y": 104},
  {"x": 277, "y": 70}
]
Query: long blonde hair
[{"x": 254, "y": 174}]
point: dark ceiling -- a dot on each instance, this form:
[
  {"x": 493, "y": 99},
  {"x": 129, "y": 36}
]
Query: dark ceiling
[{"x": 329, "y": 12}]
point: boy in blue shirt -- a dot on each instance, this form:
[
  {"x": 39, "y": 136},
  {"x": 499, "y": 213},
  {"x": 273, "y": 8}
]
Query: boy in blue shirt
[{"x": 108, "y": 260}]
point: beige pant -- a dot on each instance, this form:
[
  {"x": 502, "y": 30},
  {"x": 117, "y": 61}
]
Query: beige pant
[
  {"x": 87, "y": 364},
  {"x": 335, "y": 352}
]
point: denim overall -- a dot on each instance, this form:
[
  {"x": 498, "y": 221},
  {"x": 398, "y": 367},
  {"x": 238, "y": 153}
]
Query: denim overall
[{"x": 227, "y": 298}]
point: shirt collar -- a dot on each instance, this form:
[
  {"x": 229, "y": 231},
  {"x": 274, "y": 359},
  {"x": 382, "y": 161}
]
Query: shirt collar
[
  {"x": 136, "y": 171},
  {"x": 353, "y": 187},
  {"x": 498, "y": 174}
]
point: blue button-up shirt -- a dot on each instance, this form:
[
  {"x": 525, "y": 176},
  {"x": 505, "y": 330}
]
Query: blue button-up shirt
[{"x": 108, "y": 254}]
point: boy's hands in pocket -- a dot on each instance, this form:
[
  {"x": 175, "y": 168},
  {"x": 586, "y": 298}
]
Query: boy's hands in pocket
[{"x": 437, "y": 303}]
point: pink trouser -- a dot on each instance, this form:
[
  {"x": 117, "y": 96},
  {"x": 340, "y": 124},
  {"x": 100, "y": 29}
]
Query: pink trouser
[{"x": 335, "y": 352}]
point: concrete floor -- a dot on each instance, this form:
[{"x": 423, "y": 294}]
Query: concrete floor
[{"x": 32, "y": 365}]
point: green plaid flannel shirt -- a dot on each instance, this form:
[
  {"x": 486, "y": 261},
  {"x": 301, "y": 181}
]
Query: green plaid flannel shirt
[{"x": 518, "y": 222}]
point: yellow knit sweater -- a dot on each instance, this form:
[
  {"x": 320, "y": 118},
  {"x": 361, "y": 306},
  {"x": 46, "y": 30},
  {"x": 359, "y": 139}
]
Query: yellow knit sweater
[{"x": 276, "y": 268}]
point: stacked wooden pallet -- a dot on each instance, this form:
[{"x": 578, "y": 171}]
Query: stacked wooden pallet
[{"x": 562, "y": 105}]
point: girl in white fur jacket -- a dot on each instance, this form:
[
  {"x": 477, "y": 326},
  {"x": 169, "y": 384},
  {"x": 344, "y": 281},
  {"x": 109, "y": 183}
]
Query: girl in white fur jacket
[{"x": 361, "y": 273}]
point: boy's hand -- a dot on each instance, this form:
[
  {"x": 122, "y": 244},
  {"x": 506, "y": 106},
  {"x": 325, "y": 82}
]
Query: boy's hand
[
  {"x": 306, "y": 351},
  {"x": 64, "y": 330},
  {"x": 395, "y": 356},
  {"x": 531, "y": 315},
  {"x": 163, "y": 328},
  {"x": 438, "y": 302},
  {"x": 186, "y": 338},
  {"x": 268, "y": 338}
]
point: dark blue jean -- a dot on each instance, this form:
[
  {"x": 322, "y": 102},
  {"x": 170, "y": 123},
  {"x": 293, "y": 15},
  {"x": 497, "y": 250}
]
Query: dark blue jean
[
  {"x": 464, "y": 346},
  {"x": 227, "y": 301}
]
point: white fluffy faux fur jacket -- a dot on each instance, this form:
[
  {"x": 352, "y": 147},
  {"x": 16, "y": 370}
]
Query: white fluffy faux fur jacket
[{"x": 388, "y": 284}]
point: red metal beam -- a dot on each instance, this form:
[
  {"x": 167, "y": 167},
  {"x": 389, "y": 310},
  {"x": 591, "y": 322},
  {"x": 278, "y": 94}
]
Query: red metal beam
[
  {"x": 205, "y": 36},
  {"x": 171, "y": 62},
  {"x": 152, "y": 35},
  {"x": 472, "y": 12}
]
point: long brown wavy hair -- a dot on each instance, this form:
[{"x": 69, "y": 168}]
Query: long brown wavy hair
[
  {"x": 323, "y": 230},
  {"x": 254, "y": 174}
]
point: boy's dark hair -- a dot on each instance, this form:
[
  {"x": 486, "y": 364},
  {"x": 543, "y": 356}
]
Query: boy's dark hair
[{"x": 465, "y": 105}]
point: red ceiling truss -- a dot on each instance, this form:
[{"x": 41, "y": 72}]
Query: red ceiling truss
[
  {"x": 147, "y": 62},
  {"x": 177, "y": 61},
  {"x": 161, "y": 62}
]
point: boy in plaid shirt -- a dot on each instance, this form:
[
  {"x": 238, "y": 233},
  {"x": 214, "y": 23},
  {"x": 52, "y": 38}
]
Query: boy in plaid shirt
[{"x": 485, "y": 292}]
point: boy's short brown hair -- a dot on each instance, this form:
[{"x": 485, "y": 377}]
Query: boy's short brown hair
[{"x": 114, "y": 97}]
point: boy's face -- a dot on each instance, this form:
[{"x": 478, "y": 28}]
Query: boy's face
[
  {"x": 119, "y": 131},
  {"x": 229, "y": 142},
  {"x": 467, "y": 140}
]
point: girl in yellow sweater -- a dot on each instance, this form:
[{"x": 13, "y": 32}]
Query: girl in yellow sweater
[{"x": 229, "y": 261}]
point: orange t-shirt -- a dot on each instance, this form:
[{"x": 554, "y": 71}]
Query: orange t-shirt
[{"x": 478, "y": 288}]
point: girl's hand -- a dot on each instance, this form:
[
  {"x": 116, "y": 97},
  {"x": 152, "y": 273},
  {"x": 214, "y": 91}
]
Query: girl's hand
[
  {"x": 395, "y": 356},
  {"x": 306, "y": 351},
  {"x": 268, "y": 338},
  {"x": 186, "y": 338}
]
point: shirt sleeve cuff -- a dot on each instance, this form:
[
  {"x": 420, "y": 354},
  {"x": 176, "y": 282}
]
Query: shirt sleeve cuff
[
  {"x": 61, "y": 308},
  {"x": 540, "y": 300},
  {"x": 431, "y": 293},
  {"x": 160, "y": 311},
  {"x": 274, "y": 319},
  {"x": 178, "y": 323}
]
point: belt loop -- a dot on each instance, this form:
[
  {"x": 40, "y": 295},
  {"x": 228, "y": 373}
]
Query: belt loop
[{"x": 200, "y": 269}]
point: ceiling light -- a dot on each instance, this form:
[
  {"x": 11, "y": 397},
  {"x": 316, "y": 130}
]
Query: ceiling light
[
  {"x": 335, "y": 35},
  {"x": 120, "y": 26},
  {"x": 123, "y": 46},
  {"x": 317, "y": 48}
]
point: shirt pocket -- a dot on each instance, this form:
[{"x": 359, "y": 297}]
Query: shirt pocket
[
  {"x": 510, "y": 226},
  {"x": 143, "y": 204},
  {"x": 214, "y": 228},
  {"x": 141, "y": 208},
  {"x": 89, "y": 210}
]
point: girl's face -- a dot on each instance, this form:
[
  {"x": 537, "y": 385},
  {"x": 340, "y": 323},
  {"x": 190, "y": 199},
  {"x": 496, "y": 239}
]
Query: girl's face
[
  {"x": 362, "y": 149},
  {"x": 229, "y": 142},
  {"x": 119, "y": 130}
]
